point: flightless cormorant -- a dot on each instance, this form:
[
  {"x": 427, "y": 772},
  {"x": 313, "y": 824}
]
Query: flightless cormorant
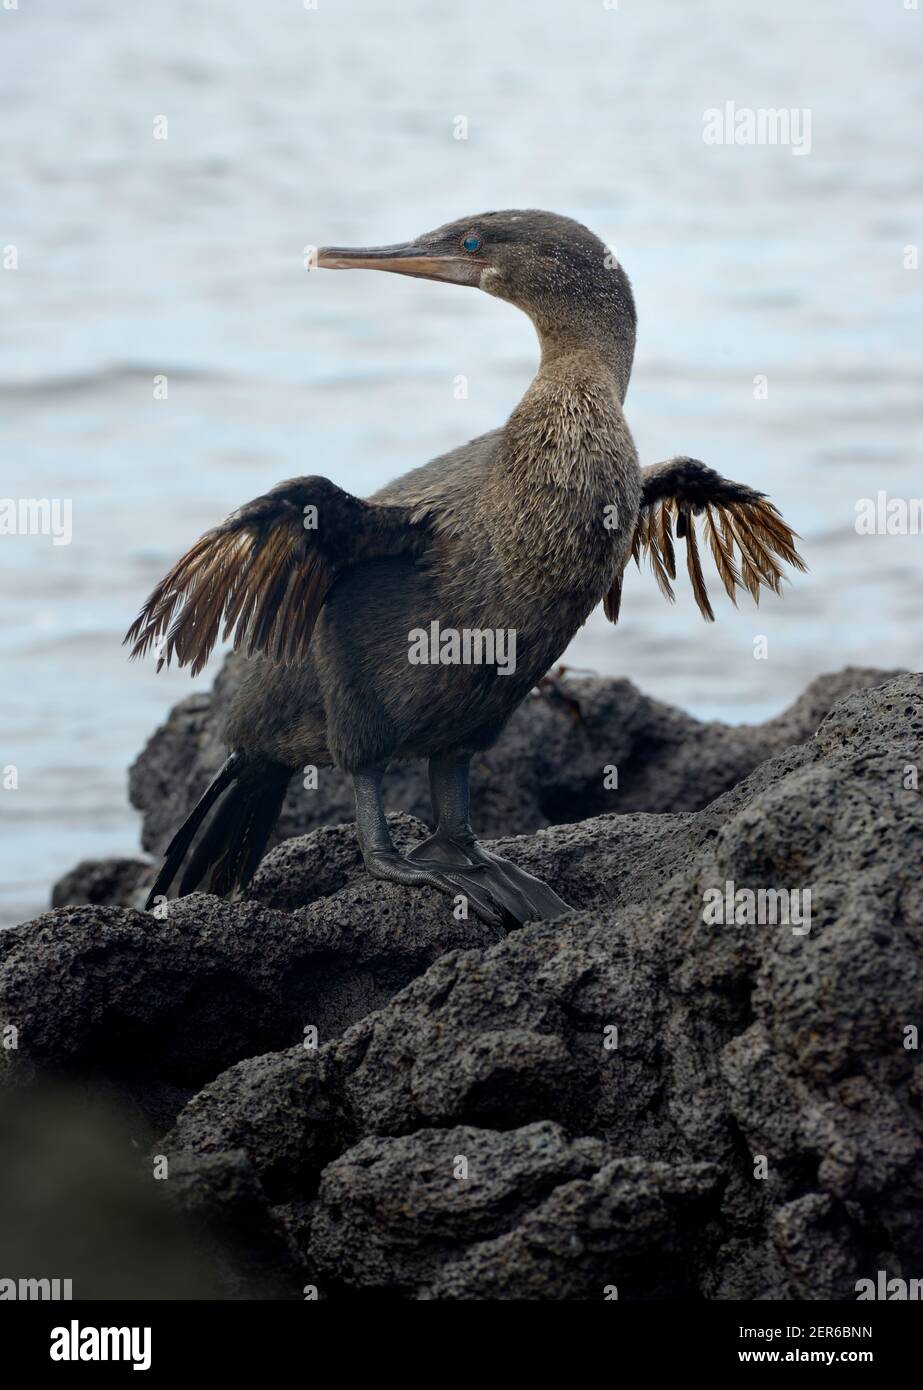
[{"x": 517, "y": 534}]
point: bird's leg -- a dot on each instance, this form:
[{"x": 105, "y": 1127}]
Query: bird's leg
[
  {"x": 455, "y": 849},
  {"x": 384, "y": 861},
  {"x": 449, "y": 787}
]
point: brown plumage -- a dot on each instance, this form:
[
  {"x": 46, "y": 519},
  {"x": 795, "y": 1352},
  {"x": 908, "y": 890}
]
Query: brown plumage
[
  {"x": 267, "y": 573},
  {"x": 520, "y": 532},
  {"x": 735, "y": 517}
]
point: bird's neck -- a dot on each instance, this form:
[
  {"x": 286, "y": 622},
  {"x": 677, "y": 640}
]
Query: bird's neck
[
  {"x": 566, "y": 465},
  {"x": 568, "y": 430},
  {"x": 574, "y": 351}
]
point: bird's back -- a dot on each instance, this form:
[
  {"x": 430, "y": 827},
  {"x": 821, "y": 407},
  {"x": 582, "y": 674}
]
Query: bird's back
[{"x": 449, "y": 481}]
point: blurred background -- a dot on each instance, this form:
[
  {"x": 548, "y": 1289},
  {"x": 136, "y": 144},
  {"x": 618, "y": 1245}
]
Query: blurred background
[{"x": 183, "y": 257}]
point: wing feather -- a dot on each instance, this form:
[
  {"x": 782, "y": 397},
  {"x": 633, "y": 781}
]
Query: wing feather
[
  {"x": 263, "y": 576},
  {"x": 723, "y": 554},
  {"x": 748, "y": 538},
  {"x": 694, "y": 566}
]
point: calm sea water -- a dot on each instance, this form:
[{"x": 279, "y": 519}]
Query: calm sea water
[{"x": 182, "y": 257}]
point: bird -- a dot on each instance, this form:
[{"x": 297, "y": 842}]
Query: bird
[{"x": 411, "y": 624}]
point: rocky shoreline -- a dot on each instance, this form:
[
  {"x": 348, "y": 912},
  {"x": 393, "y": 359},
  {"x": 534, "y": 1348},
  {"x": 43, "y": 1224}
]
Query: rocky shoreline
[{"x": 355, "y": 1092}]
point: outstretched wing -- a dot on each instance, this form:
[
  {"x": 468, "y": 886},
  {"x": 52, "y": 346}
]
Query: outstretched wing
[
  {"x": 746, "y": 535},
  {"x": 266, "y": 571}
]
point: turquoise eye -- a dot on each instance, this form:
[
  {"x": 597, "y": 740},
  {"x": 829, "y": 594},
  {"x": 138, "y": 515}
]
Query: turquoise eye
[{"x": 472, "y": 243}]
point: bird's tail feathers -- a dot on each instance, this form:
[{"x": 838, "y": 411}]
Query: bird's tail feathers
[{"x": 248, "y": 793}]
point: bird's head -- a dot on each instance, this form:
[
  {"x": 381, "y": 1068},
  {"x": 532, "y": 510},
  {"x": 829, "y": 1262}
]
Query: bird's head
[{"x": 551, "y": 267}]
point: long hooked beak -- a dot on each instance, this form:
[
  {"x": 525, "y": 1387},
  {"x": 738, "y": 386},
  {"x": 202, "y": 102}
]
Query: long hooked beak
[{"x": 404, "y": 258}]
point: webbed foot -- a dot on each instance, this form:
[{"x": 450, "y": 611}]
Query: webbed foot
[
  {"x": 451, "y": 860},
  {"x": 518, "y": 895},
  {"x": 469, "y": 882}
]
